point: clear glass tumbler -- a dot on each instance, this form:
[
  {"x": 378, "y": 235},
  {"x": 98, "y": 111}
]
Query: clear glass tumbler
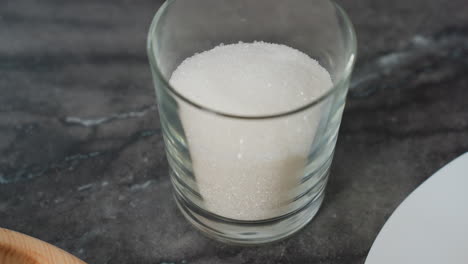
[{"x": 275, "y": 185}]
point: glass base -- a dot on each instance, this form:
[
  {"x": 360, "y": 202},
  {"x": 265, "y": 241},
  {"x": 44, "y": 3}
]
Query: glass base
[{"x": 249, "y": 232}]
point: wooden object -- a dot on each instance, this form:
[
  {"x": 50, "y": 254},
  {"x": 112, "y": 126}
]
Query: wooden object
[{"x": 17, "y": 248}]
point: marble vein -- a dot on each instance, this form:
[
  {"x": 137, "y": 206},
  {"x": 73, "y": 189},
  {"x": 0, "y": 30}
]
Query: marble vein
[
  {"x": 91, "y": 122},
  {"x": 31, "y": 171},
  {"x": 446, "y": 45}
]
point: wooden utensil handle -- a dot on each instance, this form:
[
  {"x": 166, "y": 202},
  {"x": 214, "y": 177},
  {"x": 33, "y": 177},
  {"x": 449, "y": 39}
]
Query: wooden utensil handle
[{"x": 17, "y": 248}]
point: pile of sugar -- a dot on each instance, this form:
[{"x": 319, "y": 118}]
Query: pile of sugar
[
  {"x": 251, "y": 78},
  {"x": 249, "y": 169}
]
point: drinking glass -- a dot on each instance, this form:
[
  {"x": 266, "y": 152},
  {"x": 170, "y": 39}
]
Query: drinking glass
[{"x": 275, "y": 185}]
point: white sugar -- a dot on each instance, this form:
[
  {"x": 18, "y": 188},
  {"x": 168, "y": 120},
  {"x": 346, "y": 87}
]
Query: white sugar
[
  {"x": 249, "y": 169},
  {"x": 251, "y": 78}
]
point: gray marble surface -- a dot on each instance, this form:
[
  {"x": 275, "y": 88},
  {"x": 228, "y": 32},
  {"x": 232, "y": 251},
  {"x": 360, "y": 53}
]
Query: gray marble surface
[{"x": 82, "y": 163}]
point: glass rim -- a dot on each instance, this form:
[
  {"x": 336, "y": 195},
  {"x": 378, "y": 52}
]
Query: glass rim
[{"x": 346, "y": 73}]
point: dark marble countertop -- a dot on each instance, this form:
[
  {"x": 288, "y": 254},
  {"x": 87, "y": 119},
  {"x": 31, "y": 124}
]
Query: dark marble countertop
[{"x": 82, "y": 163}]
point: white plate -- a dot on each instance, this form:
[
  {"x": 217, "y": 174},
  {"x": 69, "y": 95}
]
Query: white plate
[{"x": 431, "y": 225}]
